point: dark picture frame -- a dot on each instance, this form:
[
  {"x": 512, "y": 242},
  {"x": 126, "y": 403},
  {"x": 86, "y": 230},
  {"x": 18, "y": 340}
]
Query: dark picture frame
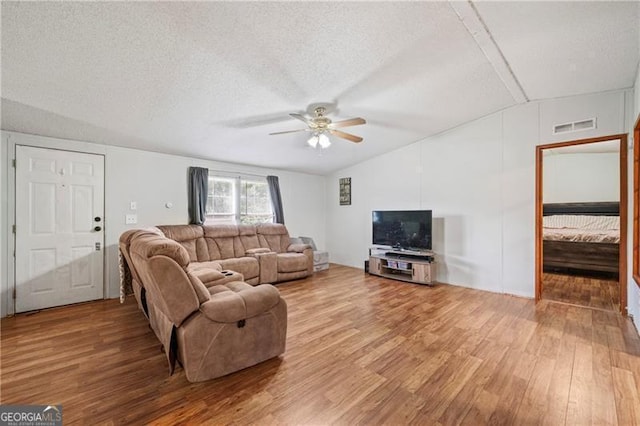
[{"x": 345, "y": 191}]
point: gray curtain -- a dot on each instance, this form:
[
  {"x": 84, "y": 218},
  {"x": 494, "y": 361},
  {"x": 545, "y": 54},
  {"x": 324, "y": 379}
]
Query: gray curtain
[
  {"x": 276, "y": 199},
  {"x": 198, "y": 191}
]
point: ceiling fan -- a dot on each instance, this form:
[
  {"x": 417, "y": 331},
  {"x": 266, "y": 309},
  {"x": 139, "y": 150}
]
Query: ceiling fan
[{"x": 321, "y": 125}]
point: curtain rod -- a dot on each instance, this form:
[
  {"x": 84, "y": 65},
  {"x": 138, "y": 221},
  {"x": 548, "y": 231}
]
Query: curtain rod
[{"x": 238, "y": 173}]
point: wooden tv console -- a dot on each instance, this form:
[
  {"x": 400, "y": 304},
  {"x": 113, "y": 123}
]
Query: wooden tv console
[{"x": 402, "y": 265}]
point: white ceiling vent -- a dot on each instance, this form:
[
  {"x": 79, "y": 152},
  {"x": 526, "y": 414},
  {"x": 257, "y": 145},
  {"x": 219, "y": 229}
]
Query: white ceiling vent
[{"x": 575, "y": 126}]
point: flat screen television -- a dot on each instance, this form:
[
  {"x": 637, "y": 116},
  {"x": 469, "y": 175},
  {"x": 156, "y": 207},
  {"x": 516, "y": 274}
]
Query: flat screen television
[{"x": 402, "y": 229}]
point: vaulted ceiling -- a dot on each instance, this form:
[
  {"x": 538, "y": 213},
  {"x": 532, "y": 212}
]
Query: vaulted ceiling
[{"x": 213, "y": 79}]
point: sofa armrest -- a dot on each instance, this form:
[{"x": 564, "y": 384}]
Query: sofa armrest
[
  {"x": 251, "y": 252},
  {"x": 171, "y": 289},
  {"x": 205, "y": 272},
  {"x": 267, "y": 264},
  {"x": 298, "y": 248},
  {"x": 268, "y": 267}
]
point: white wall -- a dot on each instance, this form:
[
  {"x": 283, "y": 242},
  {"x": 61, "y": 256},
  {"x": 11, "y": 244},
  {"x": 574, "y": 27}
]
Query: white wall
[
  {"x": 152, "y": 180},
  {"x": 378, "y": 184},
  {"x": 581, "y": 177},
  {"x": 472, "y": 173},
  {"x": 479, "y": 180}
]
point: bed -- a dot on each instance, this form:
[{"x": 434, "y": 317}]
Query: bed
[{"x": 581, "y": 237}]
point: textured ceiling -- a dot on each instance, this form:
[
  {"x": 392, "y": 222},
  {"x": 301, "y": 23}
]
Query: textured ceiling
[{"x": 213, "y": 79}]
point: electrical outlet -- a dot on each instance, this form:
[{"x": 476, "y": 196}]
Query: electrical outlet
[
  {"x": 131, "y": 219},
  {"x": 133, "y": 205}
]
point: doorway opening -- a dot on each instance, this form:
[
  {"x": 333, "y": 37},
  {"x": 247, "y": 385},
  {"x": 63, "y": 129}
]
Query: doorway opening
[{"x": 581, "y": 222}]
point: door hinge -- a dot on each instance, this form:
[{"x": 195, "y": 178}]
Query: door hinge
[
  {"x": 13, "y": 163},
  {"x": 13, "y": 229},
  {"x": 14, "y": 293}
]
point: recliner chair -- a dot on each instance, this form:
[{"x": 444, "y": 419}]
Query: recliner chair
[{"x": 211, "y": 331}]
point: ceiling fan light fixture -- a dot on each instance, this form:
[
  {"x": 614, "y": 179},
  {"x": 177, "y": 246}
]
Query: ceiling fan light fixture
[
  {"x": 319, "y": 139},
  {"x": 313, "y": 141},
  {"x": 324, "y": 141},
  {"x": 320, "y": 126}
]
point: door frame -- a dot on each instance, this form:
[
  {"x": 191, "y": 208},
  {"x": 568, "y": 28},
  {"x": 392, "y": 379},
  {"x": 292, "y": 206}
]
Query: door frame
[
  {"x": 13, "y": 139},
  {"x": 622, "y": 266},
  {"x": 636, "y": 203}
]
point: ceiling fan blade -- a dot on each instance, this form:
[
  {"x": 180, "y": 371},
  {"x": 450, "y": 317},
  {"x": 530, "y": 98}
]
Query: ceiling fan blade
[
  {"x": 289, "y": 131},
  {"x": 301, "y": 117},
  {"x": 347, "y": 136},
  {"x": 350, "y": 122}
]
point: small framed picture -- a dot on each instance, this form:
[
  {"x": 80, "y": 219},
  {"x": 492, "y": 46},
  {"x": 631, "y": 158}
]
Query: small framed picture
[{"x": 345, "y": 191}]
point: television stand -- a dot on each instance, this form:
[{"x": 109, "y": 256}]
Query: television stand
[
  {"x": 410, "y": 254},
  {"x": 409, "y": 266}
]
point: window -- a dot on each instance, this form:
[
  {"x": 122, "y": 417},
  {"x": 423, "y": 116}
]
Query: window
[
  {"x": 221, "y": 206},
  {"x": 255, "y": 204},
  {"x": 239, "y": 199}
]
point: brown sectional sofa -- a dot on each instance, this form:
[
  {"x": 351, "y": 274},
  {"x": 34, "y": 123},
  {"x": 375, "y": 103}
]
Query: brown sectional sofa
[
  {"x": 218, "y": 254},
  {"x": 261, "y": 253},
  {"x": 188, "y": 280}
]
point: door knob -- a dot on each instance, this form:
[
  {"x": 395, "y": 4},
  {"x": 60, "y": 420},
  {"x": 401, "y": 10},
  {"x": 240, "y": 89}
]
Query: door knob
[
  {"x": 97, "y": 228},
  {"x": 97, "y": 219}
]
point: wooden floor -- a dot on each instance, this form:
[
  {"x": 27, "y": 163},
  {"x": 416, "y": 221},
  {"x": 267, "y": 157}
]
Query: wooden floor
[
  {"x": 594, "y": 292},
  {"x": 360, "y": 350}
]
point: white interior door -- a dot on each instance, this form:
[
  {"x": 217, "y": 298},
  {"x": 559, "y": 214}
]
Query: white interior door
[{"x": 59, "y": 227}]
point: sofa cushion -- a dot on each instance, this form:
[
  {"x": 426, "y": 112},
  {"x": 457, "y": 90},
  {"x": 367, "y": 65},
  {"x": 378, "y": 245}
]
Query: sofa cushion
[
  {"x": 148, "y": 244},
  {"x": 221, "y": 241},
  {"x": 220, "y": 231},
  {"x": 237, "y": 301},
  {"x": 248, "y": 237},
  {"x": 274, "y": 236},
  {"x": 211, "y": 273},
  {"x": 292, "y": 262},
  {"x": 247, "y": 266},
  {"x": 191, "y": 237}
]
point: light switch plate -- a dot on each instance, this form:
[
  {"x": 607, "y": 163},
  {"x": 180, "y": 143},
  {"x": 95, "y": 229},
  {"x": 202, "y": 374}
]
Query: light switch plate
[
  {"x": 131, "y": 219},
  {"x": 133, "y": 205}
]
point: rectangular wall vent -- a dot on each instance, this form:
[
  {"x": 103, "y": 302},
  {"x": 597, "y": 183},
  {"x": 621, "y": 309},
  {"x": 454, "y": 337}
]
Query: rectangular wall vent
[
  {"x": 575, "y": 126},
  {"x": 562, "y": 128}
]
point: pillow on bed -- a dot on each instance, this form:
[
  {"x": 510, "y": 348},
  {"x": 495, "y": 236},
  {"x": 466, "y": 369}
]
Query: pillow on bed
[{"x": 581, "y": 222}]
